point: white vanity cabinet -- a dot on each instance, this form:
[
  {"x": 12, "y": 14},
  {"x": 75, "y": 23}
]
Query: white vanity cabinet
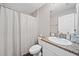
[{"x": 51, "y": 50}]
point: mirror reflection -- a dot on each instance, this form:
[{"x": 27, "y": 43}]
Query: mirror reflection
[{"x": 63, "y": 20}]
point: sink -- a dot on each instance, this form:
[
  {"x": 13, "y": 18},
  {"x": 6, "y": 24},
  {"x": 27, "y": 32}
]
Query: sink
[{"x": 60, "y": 41}]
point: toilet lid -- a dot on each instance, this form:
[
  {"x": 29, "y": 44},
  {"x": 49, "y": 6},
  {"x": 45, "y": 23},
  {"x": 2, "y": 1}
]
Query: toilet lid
[{"x": 35, "y": 49}]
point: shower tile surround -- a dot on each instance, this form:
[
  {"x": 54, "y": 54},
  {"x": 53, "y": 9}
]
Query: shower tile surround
[
  {"x": 74, "y": 48},
  {"x": 60, "y": 35}
]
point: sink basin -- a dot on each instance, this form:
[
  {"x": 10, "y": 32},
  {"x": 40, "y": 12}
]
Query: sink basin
[{"x": 60, "y": 41}]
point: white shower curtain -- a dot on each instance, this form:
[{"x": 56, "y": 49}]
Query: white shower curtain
[
  {"x": 17, "y": 39},
  {"x": 9, "y": 32},
  {"x": 18, "y": 32},
  {"x": 2, "y": 31}
]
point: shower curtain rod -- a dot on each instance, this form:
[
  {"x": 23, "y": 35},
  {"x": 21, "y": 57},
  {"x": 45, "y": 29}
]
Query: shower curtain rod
[
  {"x": 14, "y": 10},
  {"x": 9, "y": 8}
]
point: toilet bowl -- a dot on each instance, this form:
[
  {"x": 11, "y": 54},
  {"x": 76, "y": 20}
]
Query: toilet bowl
[{"x": 35, "y": 49}]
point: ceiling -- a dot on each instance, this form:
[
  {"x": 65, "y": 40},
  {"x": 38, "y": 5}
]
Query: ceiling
[
  {"x": 62, "y": 8},
  {"x": 24, "y": 7},
  {"x": 29, "y": 8}
]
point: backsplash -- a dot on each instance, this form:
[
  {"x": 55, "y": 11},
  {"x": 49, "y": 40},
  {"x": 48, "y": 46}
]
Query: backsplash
[{"x": 61, "y": 35}]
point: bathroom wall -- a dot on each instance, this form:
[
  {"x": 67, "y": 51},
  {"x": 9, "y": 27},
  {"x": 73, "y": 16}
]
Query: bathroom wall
[{"x": 44, "y": 20}]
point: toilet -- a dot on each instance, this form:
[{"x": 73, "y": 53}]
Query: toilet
[{"x": 35, "y": 50}]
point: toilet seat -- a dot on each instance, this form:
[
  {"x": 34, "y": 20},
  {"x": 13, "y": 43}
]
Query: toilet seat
[{"x": 35, "y": 49}]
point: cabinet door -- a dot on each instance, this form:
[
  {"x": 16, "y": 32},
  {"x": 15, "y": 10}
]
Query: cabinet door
[
  {"x": 46, "y": 49},
  {"x": 50, "y": 50},
  {"x": 58, "y": 51}
]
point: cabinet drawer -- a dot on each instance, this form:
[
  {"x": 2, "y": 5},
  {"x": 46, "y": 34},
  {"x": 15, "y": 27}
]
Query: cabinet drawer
[
  {"x": 58, "y": 51},
  {"x": 48, "y": 52}
]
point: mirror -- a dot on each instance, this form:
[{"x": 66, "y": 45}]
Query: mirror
[
  {"x": 63, "y": 18},
  {"x": 67, "y": 23}
]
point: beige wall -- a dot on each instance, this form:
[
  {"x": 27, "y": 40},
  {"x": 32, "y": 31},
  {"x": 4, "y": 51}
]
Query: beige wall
[{"x": 44, "y": 21}]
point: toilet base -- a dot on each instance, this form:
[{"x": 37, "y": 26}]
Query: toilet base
[
  {"x": 38, "y": 54},
  {"x": 27, "y": 54}
]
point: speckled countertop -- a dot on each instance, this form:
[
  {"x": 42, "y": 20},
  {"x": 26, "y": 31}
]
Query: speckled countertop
[{"x": 74, "y": 48}]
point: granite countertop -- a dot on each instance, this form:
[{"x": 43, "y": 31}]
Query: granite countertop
[{"x": 74, "y": 48}]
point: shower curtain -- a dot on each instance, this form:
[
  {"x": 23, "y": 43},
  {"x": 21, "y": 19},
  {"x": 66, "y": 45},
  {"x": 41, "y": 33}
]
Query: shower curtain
[
  {"x": 18, "y": 32},
  {"x": 9, "y": 32}
]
